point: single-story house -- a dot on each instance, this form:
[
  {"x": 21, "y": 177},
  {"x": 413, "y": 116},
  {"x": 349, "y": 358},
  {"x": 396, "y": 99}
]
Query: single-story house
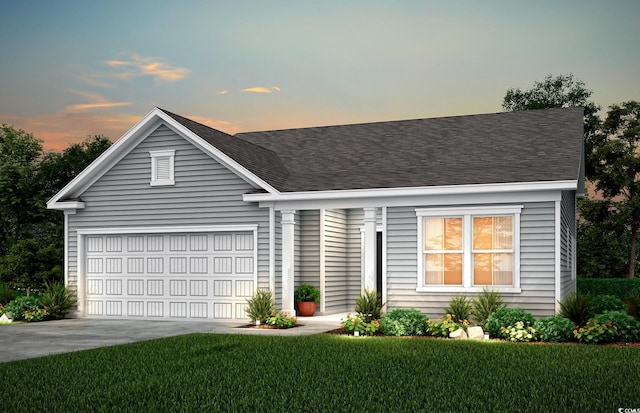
[{"x": 177, "y": 220}]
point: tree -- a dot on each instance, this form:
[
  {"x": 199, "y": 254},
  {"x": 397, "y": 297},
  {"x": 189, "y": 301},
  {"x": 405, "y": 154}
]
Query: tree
[
  {"x": 618, "y": 171},
  {"x": 561, "y": 91},
  {"x": 29, "y": 265},
  {"x": 20, "y": 206}
]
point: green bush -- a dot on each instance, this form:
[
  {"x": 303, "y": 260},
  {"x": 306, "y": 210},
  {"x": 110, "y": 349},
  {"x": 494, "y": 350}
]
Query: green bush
[
  {"x": 357, "y": 323},
  {"x": 627, "y": 327},
  {"x": 633, "y": 306},
  {"x": 57, "y": 300},
  {"x": 443, "y": 326},
  {"x": 281, "y": 320},
  {"x": 307, "y": 293},
  {"x": 603, "y": 303},
  {"x": 6, "y": 294},
  {"x": 404, "y": 322},
  {"x": 369, "y": 305},
  {"x": 459, "y": 308},
  {"x": 260, "y": 306},
  {"x": 623, "y": 288},
  {"x": 506, "y": 317},
  {"x": 484, "y": 305},
  {"x": 36, "y": 314},
  {"x": 577, "y": 308},
  {"x": 555, "y": 329},
  {"x": 20, "y": 305}
]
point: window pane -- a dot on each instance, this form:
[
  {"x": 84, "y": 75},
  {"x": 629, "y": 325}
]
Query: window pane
[
  {"x": 453, "y": 233},
  {"x": 443, "y": 234},
  {"x": 453, "y": 269},
  {"x": 482, "y": 233},
  {"x": 434, "y": 237},
  {"x": 482, "y": 269},
  {"x": 503, "y": 238},
  {"x": 434, "y": 268},
  {"x": 503, "y": 269}
]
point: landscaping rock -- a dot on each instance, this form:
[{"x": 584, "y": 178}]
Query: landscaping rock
[
  {"x": 459, "y": 334},
  {"x": 6, "y": 318},
  {"x": 475, "y": 333}
]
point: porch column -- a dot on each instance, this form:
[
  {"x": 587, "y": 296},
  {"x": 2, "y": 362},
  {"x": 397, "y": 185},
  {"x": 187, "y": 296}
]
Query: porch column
[
  {"x": 288, "y": 262},
  {"x": 370, "y": 249}
]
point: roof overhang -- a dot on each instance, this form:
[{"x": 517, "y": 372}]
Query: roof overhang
[
  {"x": 128, "y": 142},
  {"x": 548, "y": 190}
]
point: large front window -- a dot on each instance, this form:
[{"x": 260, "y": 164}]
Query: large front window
[{"x": 468, "y": 248}]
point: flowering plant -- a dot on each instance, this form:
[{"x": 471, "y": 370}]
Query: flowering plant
[
  {"x": 519, "y": 332},
  {"x": 443, "y": 326},
  {"x": 281, "y": 320},
  {"x": 596, "y": 332},
  {"x": 358, "y": 323}
]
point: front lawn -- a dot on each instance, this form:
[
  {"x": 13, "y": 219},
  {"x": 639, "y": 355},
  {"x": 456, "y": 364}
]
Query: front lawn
[{"x": 207, "y": 372}]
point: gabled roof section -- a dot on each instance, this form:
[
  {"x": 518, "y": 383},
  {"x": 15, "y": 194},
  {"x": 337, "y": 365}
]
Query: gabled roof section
[
  {"x": 510, "y": 147},
  {"x": 263, "y": 162}
]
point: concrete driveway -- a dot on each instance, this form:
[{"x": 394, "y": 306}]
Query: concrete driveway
[{"x": 23, "y": 341}]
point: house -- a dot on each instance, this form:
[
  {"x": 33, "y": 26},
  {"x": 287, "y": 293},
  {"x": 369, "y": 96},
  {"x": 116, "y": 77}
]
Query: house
[{"x": 180, "y": 221}]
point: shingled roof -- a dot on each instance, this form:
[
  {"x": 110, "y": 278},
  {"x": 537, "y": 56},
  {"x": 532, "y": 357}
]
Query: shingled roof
[{"x": 526, "y": 146}]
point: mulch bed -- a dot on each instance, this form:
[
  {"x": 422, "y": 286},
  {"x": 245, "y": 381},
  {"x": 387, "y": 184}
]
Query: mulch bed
[{"x": 267, "y": 327}]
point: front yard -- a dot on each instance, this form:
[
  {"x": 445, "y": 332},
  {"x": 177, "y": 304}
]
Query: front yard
[{"x": 207, "y": 372}]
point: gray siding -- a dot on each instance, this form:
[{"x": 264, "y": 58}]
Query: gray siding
[
  {"x": 537, "y": 257},
  {"x": 354, "y": 255},
  {"x": 205, "y": 193},
  {"x": 567, "y": 243},
  {"x": 309, "y": 224},
  {"x": 336, "y": 286}
]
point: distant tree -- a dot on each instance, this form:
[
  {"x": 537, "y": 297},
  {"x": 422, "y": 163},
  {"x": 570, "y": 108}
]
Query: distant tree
[
  {"x": 20, "y": 196},
  {"x": 30, "y": 265},
  {"x": 560, "y": 91},
  {"x": 617, "y": 174}
]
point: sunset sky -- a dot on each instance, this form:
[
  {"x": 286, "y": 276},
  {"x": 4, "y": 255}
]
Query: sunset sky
[{"x": 75, "y": 68}]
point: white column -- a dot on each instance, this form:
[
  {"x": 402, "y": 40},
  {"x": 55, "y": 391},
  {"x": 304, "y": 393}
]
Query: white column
[
  {"x": 288, "y": 262},
  {"x": 370, "y": 248}
]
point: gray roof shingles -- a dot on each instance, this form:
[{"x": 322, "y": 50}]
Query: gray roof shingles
[{"x": 527, "y": 146}]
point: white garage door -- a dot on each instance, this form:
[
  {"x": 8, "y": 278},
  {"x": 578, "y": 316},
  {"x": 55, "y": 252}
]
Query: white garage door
[{"x": 171, "y": 276}]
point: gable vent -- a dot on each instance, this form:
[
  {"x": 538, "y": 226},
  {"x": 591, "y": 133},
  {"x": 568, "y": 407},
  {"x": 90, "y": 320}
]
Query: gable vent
[{"x": 162, "y": 165}]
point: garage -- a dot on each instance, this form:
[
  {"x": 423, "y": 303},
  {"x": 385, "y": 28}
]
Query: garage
[{"x": 168, "y": 275}]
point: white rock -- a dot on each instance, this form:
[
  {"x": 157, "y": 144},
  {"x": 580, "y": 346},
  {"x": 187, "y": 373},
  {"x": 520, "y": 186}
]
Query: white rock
[
  {"x": 475, "y": 333},
  {"x": 6, "y": 318},
  {"x": 459, "y": 334}
]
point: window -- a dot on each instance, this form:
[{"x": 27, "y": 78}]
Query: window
[
  {"x": 162, "y": 164},
  {"x": 466, "y": 249}
]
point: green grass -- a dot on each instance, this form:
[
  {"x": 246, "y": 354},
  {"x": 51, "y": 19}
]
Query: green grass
[{"x": 206, "y": 372}]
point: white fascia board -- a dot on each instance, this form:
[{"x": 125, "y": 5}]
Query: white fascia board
[
  {"x": 129, "y": 140},
  {"x": 413, "y": 191},
  {"x": 460, "y": 198},
  {"x": 65, "y": 206},
  {"x": 167, "y": 229}
]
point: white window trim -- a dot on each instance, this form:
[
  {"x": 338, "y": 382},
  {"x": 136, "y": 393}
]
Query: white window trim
[
  {"x": 467, "y": 213},
  {"x": 155, "y": 155}
]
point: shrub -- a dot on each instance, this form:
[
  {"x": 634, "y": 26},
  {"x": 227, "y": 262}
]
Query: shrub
[
  {"x": 404, "y": 322},
  {"x": 519, "y": 332},
  {"x": 623, "y": 288},
  {"x": 459, "y": 308},
  {"x": 18, "y": 306},
  {"x": 6, "y": 294},
  {"x": 443, "y": 326},
  {"x": 555, "y": 329},
  {"x": 307, "y": 293},
  {"x": 603, "y": 303},
  {"x": 627, "y": 327},
  {"x": 577, "y": 308},
  {"x": 596, "y": 331},
  {"x": 35, "y": 314},
  {"x": 57, "y": 300},
  {"x": 369, "y": 305},
  {"x": 260, "y": 306},
  {"x": 633, "y": 306},
  {"x": 281, "y": 320},
  {"x": 484, "y": 305},
  {"x": 358, "y": 323},
  {"x": 506, "y": 317}
]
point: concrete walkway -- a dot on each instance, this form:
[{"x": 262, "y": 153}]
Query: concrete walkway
[{"x": 24, "y": 341}]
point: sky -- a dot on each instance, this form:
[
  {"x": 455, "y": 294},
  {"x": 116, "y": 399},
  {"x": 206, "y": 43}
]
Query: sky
[{"x": 71, "y": 69}]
